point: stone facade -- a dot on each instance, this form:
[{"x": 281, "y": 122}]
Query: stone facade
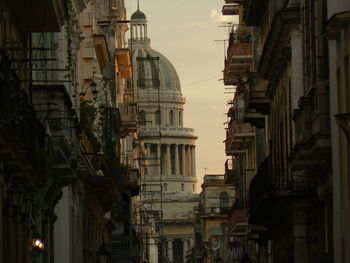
[{"x": 169, "y": 183}]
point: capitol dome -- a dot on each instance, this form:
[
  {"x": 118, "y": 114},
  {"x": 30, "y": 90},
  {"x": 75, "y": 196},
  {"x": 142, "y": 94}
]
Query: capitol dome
[
  {"x": 138, "y": 15},
  {"x": 157, "y": 90},
  {"x": 151, "y": 67}
]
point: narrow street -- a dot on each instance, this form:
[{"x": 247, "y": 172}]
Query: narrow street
[{"x": 127, "y": 136}]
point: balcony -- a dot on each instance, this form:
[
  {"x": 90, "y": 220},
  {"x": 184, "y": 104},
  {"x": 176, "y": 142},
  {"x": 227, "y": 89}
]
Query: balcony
[
  {"x": 228, "y": 10},
  {"x": 256, "y": 119},
  {"x": 101, "y": 50},
  {"x": 258, "y": 98},
  {"x": 270, "y": 184},
  {"x": 23, "y": 145},
  {"x": 62, "y": 126},
  {"x": 123, "y": 249},
  {"x": 215, "y": 211},
  {"x": 253, "y": 12},
  {"x": 39, "y": 15},
  {"x": 237, "y": 62},
  {"x": 303, "y": 120},
  {"x": 336, "y": 24},
  {"x": 123, "y": 61},
  {"x": 235, "y": 1},
  {"x": 239, "y": 57},
  {"x": 128, "y": 115},
  {"x": 239, "y": 136},
  {"x": 312, "y": 148},
  {"x": 132, "y": 180},
  {"x": 104, "y": 188},
  {"x": 231, "y": 172}
]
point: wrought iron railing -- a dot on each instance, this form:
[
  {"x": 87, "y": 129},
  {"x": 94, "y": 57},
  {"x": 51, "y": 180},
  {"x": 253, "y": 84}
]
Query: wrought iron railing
[
  {"x": 272, "y": 181},
  {"x": 214, "y": 211}
]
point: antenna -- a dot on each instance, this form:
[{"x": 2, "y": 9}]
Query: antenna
[{"x": 205, "y": 170}]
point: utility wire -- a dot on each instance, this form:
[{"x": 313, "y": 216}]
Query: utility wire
[{"x": 201, "y": 81}]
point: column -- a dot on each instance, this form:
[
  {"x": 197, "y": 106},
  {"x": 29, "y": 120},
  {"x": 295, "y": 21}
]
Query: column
[
  {"x": 145, "y": 30},
  {"x": 189, "y": 173},
  {"x": 191, "y": 242},
  {"x": 170, "y": 251},
  {"x": 184, "y": 245},
  {"x": 136, "y": 33},
  {"x": 176, "y": 118},
  {"x": 158, "y": 162},
  {"x": 183, "y": 160},
  {"x": 176, "y": 160},
  {"x": 141, "y": 32},
  {"x": 148, "y": 156},
  {"x": 194, "y": 161},
  {"x": 168, "y": 160}
]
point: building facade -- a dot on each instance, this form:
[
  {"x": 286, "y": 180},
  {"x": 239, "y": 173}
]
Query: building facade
[
  {"x": 337, "y": 34},
  {"x": 279, "y": 65},
  {"x": 66, "y": 113},
  {"x": 168, "y": 186}
]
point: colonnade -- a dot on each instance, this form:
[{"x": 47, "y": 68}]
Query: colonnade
[
  {"x": 172, "y": 159},
  {"x": 186, "y": 246},
  {"x": 139, "y": 31}
]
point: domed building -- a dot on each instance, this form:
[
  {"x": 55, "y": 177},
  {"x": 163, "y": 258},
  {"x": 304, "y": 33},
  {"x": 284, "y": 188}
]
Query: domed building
[{"x": 169, "y": 184}]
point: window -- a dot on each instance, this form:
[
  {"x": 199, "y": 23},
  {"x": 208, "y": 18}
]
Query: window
[
  {"x": 182, "y": 187},
  {"x": 180, "y": 118},
  {"x": 223, "y": 200},
  {"x": 171, "y": 118},
  {"x": 165, "y": 187},
  {"x": 157, "y": 117},
  {"x": 142, "y": 117},
  {"x": 194, "y": 188}
]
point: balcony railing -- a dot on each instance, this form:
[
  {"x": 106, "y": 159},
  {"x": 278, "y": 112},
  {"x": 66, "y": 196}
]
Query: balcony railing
[
  {"x": 235, "y": 1},
  {"x": 231, "y": 9},
  {"x": 123, "y": 248},
  {"x": 257, "y": 96},
  {"x": 239, "y": 58},
  {"x": 128, "y": 114},
  {"x": 22, "y": 134},
  {"x": 238, "y": 136},
  {"x": 271, "y": 182},
  {"x": 216, "y": 211}
]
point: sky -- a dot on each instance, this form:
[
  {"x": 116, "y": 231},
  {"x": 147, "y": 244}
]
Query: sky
[{"x": 190, "y": 34}]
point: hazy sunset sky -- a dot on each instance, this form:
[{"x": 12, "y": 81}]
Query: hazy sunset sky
[{"x": 185, "y": 32}]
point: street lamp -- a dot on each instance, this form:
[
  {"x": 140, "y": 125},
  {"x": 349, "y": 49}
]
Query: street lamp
[{"x": 104, "y": 253}]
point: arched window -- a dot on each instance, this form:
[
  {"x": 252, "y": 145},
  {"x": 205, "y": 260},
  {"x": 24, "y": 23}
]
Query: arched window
[
  {"x": 180, "y": 119},
  {"x": 157, "y": 117},
  {"x": 182, "y": 187},
  {"x": 142, "y": 117},
  {"x": 223, "y": 200},
  {"x": 171, "y": 118}
]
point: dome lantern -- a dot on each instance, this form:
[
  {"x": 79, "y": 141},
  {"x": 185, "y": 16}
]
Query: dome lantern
[{"x": 139, "y": 27}]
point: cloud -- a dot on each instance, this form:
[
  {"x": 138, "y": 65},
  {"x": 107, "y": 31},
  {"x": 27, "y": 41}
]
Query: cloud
[{"x": 219, "y": 18}]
